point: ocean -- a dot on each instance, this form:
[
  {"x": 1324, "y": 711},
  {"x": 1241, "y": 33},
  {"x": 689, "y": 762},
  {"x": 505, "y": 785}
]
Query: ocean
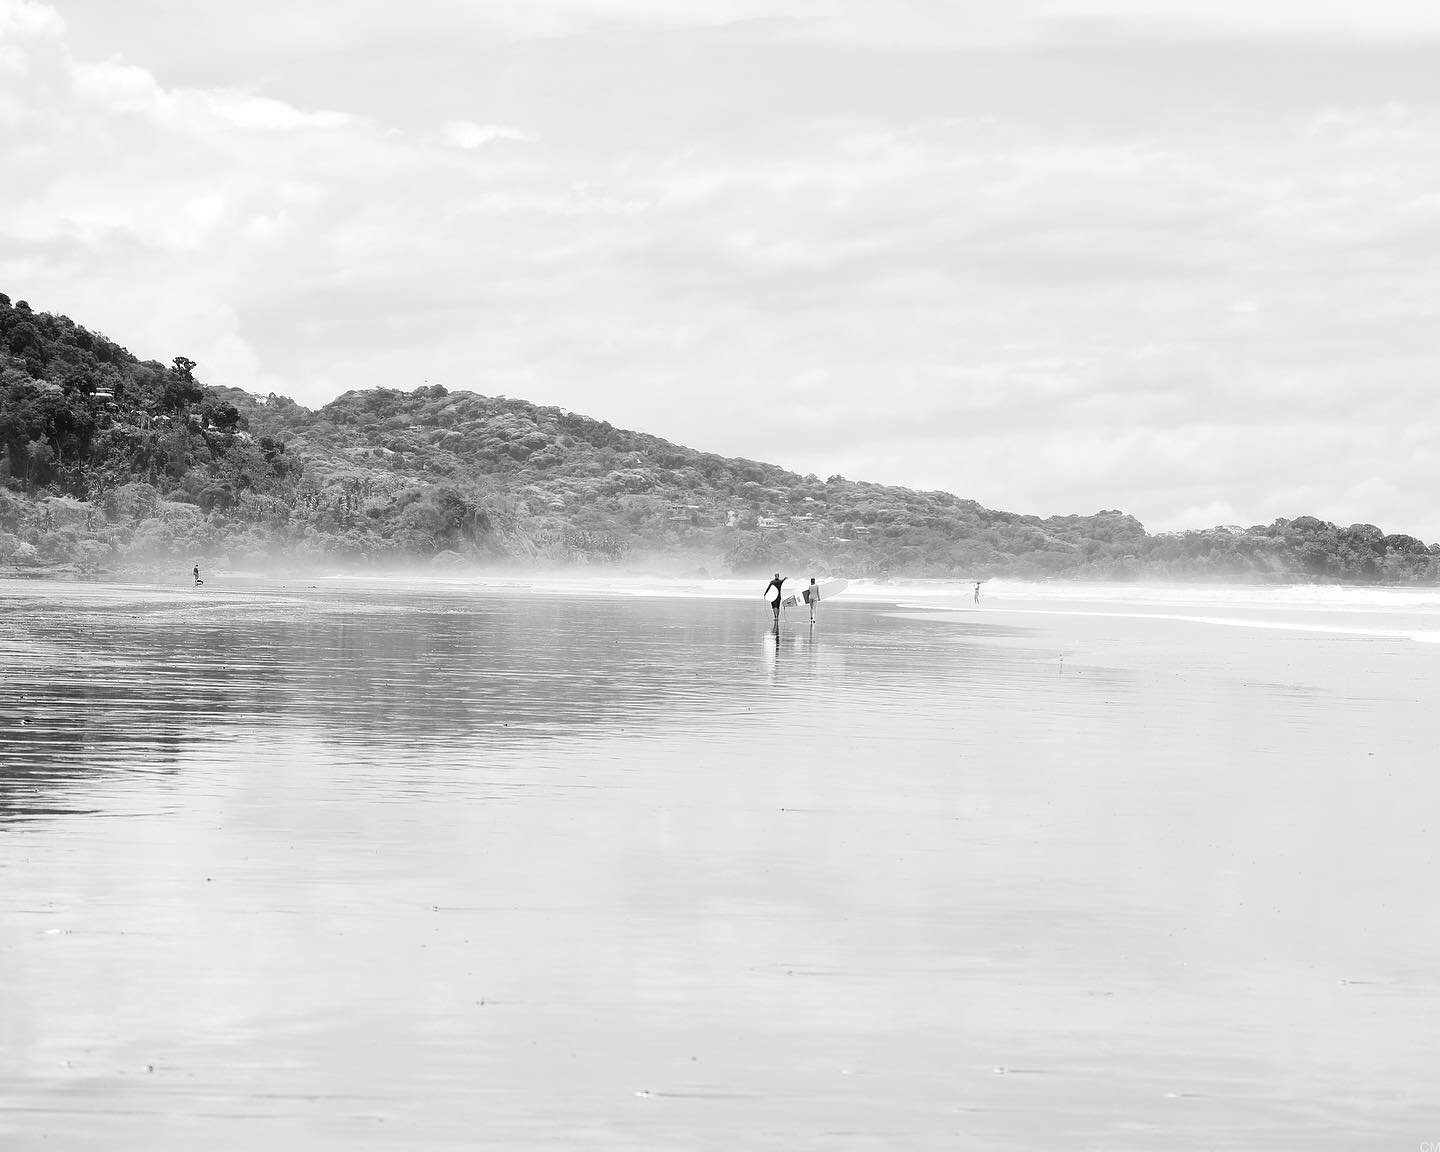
[{"x": 610, "y": 863}]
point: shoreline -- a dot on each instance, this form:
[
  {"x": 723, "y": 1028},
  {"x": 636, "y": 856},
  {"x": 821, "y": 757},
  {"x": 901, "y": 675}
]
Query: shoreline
[{"x": 450, "y": 572}]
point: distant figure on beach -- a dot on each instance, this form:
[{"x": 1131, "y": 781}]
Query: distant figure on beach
[
  {"x": 198, "y": 581},
  {"x": 977, "y": 592},
  {"x": 775, "y": 583},
  {"x": 812, "y": 597}
]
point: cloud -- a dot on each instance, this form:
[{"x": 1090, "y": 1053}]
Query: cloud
[
  {"x": 247, "y": 111},
  {"x": 22, "y": 21},
  {"x": 126, "y": 88},
  {"x": 464, "y": 134},
  {"x": 29, "y": 19}
]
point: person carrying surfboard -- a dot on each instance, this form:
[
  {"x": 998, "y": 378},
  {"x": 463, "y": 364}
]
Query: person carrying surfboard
[
  {"x": 812, "y": 597},
  {"x": 775, "y": 596}
]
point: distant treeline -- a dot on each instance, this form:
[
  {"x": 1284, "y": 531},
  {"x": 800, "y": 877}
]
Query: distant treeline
[{"x": 109, "y": 462}]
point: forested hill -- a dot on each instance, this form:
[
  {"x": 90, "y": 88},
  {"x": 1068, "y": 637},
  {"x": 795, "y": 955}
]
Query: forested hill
[{"x": 110, "y": 461}]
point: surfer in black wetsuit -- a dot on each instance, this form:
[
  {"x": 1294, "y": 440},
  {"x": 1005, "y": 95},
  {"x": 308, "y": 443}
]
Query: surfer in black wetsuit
[
  {"x": 779, "y": 593},
  {"x": 198, "y": 581}
]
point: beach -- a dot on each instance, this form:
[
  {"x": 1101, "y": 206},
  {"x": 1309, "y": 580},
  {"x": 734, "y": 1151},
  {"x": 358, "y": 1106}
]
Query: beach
[{"x": 610, "y": 864}]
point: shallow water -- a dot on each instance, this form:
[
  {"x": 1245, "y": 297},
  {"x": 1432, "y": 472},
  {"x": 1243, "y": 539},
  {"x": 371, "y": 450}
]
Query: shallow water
[{"x": 364, "y": 865}]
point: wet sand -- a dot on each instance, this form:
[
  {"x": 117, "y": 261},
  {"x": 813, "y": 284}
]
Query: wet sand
[{"x": 398, "y": 867}]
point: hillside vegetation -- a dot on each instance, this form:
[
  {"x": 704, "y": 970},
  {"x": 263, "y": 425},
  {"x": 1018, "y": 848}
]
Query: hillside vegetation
[{"x": 108, "y": 462}]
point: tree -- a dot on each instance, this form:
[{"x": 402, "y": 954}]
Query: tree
[
  {"x": 225, "y": 417},
  {"x": 179, "y": 389},
  {"x": 23, "y": 337},
  {"x": 179, "y": 393}
]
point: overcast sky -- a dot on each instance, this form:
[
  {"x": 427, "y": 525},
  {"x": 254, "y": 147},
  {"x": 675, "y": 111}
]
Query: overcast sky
[{"x": 1178, "y": 257}]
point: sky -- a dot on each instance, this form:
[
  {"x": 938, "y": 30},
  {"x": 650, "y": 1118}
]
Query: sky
[{"x": 1176, "y": 257}]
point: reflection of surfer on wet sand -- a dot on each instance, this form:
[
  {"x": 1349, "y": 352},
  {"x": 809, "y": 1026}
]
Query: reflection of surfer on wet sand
[{"x": 772, "y": 653}]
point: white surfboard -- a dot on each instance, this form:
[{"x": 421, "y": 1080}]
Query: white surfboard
[{"x": 824, "y": 590}]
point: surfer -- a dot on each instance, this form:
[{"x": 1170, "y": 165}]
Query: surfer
[
  {"x": 198, "y": 581},
  {"x": 775, "y": 599},
  {"x": 977, "y": 592},
  {"x": 812, "y": 597}
]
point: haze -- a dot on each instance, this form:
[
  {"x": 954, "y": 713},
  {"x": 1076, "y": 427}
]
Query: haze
[{"x": 1174, "y": 257}]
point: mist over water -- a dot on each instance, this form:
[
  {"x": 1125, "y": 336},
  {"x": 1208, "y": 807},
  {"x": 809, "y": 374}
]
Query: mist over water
[{"x": 545, "y": 862}]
